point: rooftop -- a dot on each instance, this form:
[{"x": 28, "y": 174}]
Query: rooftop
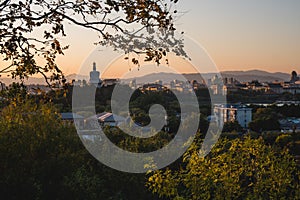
[{"x": 70, "y": 116}]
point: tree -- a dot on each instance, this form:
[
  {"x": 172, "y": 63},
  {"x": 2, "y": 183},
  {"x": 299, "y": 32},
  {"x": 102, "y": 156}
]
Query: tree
[
  {"x": 235, "y": 169},
  {"x": 232, "y": 126},
  {"x": 37, "y": 151},
  {"x": 265, "y": 119},
  {"x": 42, "y": 157},
  {"x": 140, "y": 26}
]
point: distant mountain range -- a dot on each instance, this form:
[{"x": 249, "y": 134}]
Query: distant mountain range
[
  {"x": 262, "y": 76},
  {"x": 242, "y": 76}
]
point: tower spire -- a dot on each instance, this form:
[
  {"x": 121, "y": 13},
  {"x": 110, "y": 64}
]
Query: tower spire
[{"x": 94, "y": 66}]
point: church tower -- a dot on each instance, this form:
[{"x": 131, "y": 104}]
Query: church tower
[{"x": 95, "y": 75}]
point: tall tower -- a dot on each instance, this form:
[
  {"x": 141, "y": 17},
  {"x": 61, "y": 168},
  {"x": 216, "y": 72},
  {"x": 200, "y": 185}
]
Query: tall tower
[{"x": 95, "y": 75}]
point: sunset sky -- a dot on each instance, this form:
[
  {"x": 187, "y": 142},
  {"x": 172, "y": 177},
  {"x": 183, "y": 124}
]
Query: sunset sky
[
  {"x": 237, "y": 34},
  {"x": 247, "y": 34}
]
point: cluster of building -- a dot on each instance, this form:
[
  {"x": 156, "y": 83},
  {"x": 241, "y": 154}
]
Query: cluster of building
[
  {"x": 222, "y": 114},
  {"x": 224, "y": 86},
  {"x": 219, "y": 86},
  {"x": 103, "y": 119},
  {"x": 177, "y": 85},
  {"x": 290, "y": 124},
  {"x": 230, "y": 113}
]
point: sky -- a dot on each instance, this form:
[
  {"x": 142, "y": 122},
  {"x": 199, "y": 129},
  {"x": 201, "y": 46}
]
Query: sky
[
  {"x": 235, "y": 34},
  {"x": 246, "y": 34}
]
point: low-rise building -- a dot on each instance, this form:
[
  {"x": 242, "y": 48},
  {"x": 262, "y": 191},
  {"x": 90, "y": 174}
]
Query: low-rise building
[
  {"x": 255, "y": 85},
  {"x": 292, "y": 88},
  {"x": 290, "y": 124},
  {"x": 110, "y": 82},
  {"x": 230, "y": 113},
  {"x": 73, "y": 118},
  {"x": 229, "y": 88},
  {"x": 275, "y": 87},
  {"x": 104, "y": 119},
  {"x": 153, "y": 87}
]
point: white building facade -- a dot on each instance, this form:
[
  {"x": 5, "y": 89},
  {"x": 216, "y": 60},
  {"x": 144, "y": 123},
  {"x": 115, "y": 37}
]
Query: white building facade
[
  {"x": 95, "y": 76},
  {"x": 231, "y": 113}
]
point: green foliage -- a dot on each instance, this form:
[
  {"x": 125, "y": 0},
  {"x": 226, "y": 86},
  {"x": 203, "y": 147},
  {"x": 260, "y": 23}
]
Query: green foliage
[
  {"x": 14, "y": 92},
  {"x": 203, "y": 124},
  {"x": 288, "y": 110},
  {"x": 265, "y": 119},
  {"x": 232, "y": 126},
  {"x": 283, "y": 140},
  {"x": 249, "y": 96},
  {"x": 36, "y": 150},
  {"x": 43, "y": 158},
  {"x": 235, "y": 169}
]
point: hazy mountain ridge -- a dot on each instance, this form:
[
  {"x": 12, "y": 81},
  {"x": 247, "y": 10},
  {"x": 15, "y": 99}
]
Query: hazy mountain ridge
[
  {"x": 246, "y": 76},
  {"x": 243, "y": 76},
  {"x": 262, "y": 76}
]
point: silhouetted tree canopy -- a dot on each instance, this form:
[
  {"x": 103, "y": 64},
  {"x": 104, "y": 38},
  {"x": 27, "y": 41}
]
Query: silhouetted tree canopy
[
  {"x": 232, "y": 126},
  {"x": 139, "y": 26},
  {"x": 265, "y": 119}
]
